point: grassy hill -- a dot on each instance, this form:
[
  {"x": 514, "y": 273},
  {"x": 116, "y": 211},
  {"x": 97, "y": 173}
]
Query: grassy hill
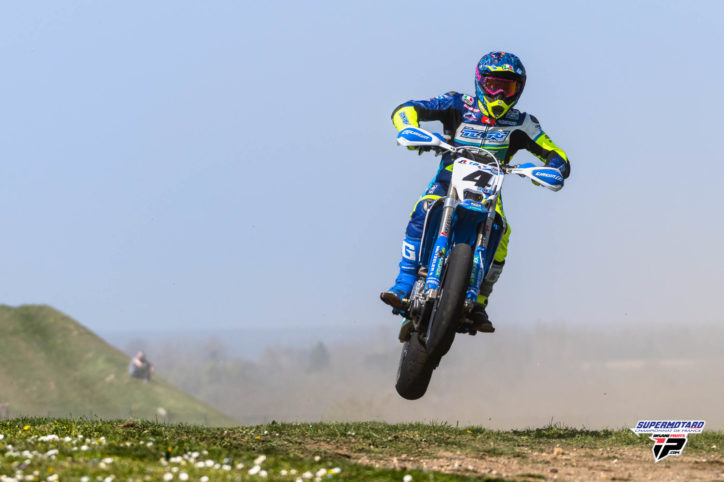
[{"x": 50, "y": 365}]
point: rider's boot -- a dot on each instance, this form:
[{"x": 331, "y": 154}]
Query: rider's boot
[
  {"x": 477, "y": 315},
  {"x": 397, "y": 296}
]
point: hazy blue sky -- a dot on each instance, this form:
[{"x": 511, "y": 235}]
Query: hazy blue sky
[{"x": 197, "y": 165}]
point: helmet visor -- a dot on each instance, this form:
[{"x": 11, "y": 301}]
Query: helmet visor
[{"x": 495, "y": 85}]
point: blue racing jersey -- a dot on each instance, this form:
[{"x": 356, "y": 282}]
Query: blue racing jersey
[{"x": 466, "y": 125}]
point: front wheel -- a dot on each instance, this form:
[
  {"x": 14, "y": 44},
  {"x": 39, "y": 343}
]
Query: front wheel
[
  {"x": 449, "y": 305},
  {"x": 415, "y": 369}
]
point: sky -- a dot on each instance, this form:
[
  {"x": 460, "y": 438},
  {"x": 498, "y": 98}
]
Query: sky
[{"x": 230, "y": 165}]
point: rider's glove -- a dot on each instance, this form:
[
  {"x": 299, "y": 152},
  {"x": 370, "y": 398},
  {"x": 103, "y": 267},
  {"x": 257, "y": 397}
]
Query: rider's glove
[{"x": 559, "y": 163}]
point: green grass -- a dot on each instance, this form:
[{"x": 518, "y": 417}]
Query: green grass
[
  {"x": 52, "y": 365},
  {"x": 147, "y": 451}
]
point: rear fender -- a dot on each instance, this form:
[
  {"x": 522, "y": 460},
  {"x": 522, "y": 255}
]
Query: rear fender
[{"x": 465, "y": 224}]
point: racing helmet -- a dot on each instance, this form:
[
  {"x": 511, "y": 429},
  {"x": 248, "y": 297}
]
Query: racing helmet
[{"x": 499, "y": 81}]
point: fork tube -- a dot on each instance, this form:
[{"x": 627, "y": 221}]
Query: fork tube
[
  {"x": 440, "y": 251},
  {"x": 481, "y": 247},
  {"x": 476, "y": 275}
]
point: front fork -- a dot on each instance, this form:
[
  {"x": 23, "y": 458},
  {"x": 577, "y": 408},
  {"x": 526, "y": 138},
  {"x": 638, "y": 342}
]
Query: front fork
[
  {"x": 441, "y": 249},
  {"x": 477, "y": 275}
]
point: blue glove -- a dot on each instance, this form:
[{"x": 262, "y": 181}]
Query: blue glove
[{"x": 559, "y": 163}]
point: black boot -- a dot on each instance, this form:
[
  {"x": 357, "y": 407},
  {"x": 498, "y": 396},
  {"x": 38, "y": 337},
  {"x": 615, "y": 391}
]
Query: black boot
[{"x": 480, "y": 320}]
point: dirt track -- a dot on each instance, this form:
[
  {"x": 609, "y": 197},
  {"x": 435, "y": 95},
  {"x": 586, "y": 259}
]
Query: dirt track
[{"x": 622, "y": 464}]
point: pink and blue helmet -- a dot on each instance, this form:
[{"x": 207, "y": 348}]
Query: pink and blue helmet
[{"x": 499, "y": 82}]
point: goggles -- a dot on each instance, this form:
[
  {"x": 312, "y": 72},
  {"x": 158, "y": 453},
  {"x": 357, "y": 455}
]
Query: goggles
[{"x": 495, "y": 85}]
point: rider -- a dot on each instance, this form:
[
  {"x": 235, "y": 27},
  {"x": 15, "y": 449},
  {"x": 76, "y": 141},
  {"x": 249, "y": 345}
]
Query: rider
[{"x": 487, "y": 120}]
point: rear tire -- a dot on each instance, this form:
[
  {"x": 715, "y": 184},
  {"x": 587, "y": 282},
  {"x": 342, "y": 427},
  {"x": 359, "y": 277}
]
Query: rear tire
[
  {"x": 449, "y": 306},
  {"x": 415, "y": 369}
]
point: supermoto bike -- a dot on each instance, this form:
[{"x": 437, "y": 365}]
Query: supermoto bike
[{"x": 460, "y": 236}]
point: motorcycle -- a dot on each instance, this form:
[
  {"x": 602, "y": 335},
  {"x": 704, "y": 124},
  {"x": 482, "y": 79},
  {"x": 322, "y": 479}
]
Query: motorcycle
[{"x": 460, "y": 236}]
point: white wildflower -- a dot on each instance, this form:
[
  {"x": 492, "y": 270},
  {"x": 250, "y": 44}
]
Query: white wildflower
[
  {"x": 293, "y": 472},
  {"x": 2, "y": 436},
  {"x": 335, "y": 471},
  {"x": 52, "y": 478},
  {"x": 254, "y": 470},
  {"x": 48, "y": 438},
  {"x": 183, "y": 476},
  {"x": 283, "y": 472},
  {"x": 51, "y": 453},
  {"x": 108, "y": 479},
  {"x": 239, "y": 466},
  {"x": 174, "y": 469},
  {"x": 199, "y": 465},
  {"x": 263, "y": 473},
  {"x": 317, "y": 458},
  {"x": 321, "y": 472},
  {"x": 260, "y": 459},
  {"x": 209, "y": 463},
  {"x": 85, "y": 478},
  {"x": 204, "y": 479},
  {"x": 226, "y": 467},
  {"x": 67, "y": 439},
  {"x": 307, "y": 475},
  {"x": 407, "y": 478},
  {"x": 168, "y": 476}
]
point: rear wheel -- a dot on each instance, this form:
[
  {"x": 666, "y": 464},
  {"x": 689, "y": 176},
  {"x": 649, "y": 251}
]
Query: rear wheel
[
  {"x": 415, "y": 369},
  {"x": 448, "y": 307}
]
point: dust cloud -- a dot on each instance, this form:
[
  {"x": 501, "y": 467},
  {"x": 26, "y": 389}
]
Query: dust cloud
[{"x": 609, "y": 377}]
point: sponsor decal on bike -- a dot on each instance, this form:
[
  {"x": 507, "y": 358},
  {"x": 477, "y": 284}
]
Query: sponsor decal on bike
[
  {"x": 407, "y": 133},
  {"x": 546, "y": 175},
  {"x": 669, "y": 436},
  {"x": 468, "y": 100}
]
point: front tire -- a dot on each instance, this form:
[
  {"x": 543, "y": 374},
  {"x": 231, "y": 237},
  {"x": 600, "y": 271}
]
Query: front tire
[
  {"x": 415, "y": 369},
  {"x": 448, "y": 307}
]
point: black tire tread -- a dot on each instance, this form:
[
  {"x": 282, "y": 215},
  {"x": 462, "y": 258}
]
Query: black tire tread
[
  {"x": 415, "y": 369},
  {"x": 442, "y": 327}
]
